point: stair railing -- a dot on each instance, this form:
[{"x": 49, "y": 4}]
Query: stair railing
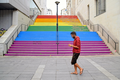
[
  {"x": 17, "y": 31},
  {"x": 100, "y": 28}
]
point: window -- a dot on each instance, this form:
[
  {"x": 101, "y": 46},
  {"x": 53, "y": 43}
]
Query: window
[{"x": 100, "y": 7}]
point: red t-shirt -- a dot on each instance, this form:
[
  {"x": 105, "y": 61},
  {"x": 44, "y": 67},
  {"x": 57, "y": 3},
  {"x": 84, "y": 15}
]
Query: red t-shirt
[{"x": 78, "y": 44}]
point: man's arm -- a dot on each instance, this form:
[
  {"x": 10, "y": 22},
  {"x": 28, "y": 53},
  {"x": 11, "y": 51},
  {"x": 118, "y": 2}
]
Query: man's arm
[
  {"x": 77, "y": 46},
  {"x": 73, "y": 46}
]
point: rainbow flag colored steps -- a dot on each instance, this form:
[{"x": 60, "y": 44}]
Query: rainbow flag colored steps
[
  {"x": 40, "y": 38},
  {"x": 66, "y": 23}
]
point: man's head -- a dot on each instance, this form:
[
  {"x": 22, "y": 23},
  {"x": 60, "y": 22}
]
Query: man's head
[{"x": 73, "y": 34}]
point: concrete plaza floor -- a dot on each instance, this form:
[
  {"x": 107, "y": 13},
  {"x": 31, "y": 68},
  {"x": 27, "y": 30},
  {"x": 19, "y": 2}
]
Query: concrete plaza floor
[{"x": 59, "y": 68}]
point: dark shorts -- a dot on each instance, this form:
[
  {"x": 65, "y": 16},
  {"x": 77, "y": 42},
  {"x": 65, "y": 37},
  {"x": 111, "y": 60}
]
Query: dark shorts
[{"x": 74, "y": 58}]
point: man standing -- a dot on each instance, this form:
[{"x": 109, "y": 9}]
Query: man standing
[{"x": 76, "y": 52}]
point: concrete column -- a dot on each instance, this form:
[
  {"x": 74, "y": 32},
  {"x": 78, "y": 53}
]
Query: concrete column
[
  {"x": 1, "y": 49},
  {"x": 15, "y": 18}
]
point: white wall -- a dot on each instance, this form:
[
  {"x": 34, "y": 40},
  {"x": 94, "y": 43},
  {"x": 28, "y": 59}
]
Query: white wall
[
  {"x": 22, "y": 5},
  {"x": 110, "y": 19}
]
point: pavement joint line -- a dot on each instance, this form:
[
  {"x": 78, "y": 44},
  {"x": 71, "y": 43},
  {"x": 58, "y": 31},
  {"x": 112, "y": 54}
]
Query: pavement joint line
[
  {"x": 38, "y": 73},
  {"x": 104, "y": 71},
  {"x": 56, "y": 56}
]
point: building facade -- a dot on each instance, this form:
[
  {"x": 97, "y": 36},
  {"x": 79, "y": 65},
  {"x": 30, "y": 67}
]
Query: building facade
[
  {"x": 64, "y": 11},
  {"x": 42, "y": 4},
  {"x": 49, "y": 12},
  {"x": 26, "y": 8},
  {"x": 15, "y": 16},
  {"x": 70, "y": 6},
  {"x": 105, "y": 12}
]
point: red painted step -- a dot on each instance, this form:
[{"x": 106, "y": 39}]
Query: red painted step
[{"x": 54, "y": 16}]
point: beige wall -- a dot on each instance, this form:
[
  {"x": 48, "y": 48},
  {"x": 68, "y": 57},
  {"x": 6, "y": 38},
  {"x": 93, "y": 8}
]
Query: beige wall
[
  {"x": 110, "y": 19},
  {"x": 70, "y": 7},
  {"x": 42, "y": 4}
]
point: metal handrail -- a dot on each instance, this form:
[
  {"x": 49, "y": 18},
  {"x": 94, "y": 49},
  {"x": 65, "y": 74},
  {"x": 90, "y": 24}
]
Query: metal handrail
[
  {"x": 108, "y": 34},
  {"x": 103, "y": 29}
]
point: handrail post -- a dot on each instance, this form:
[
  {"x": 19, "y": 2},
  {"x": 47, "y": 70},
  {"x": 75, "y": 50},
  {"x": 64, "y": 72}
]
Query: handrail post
[
  {"x": 93, "y": 27},
  {"x": 115, "y": 45},
  {"x": 108, "y": 38},
  {"x": 97, "y": 27},
  {"x": 102, "y": 31}
]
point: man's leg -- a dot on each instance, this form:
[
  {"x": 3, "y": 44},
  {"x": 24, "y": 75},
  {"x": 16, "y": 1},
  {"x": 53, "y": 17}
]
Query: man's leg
[
  {"x": 81, "y": 69},
  {"x": 73, "y": 63},
  {"x": 75, "y": 67}
]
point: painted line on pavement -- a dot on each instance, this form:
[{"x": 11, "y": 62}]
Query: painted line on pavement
[
  {"x": 38, "y": 73},
  {"x": 104, "y": 71}
]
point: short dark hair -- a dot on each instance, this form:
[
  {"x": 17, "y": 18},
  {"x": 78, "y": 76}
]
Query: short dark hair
[{"x": 73, "y": 32}]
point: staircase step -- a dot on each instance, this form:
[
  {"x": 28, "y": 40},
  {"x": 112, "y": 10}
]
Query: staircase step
[
  {"x": 22, "y": 49},
  {"x": 54, "y": 52},
  {"x": 85, "y": 54},
  {"x": 53, "y": 16},
  {"x": 55, "y": 41},
  {"x": 56, "y": 45},
  {"x": 65, "y": 43}
]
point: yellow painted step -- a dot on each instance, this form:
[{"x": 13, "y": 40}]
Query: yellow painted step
[
  {"x": 69, "y": 20},
  {"x": 60, "y": 24}
]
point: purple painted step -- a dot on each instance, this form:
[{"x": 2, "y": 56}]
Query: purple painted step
[
  {"x": 52, "y": 47},
  {"x": 55, "y": 52},
  {"x": 59, "y": 43},
  {"x": 87, "y": 54},
  {"x": 56, "y": 45},
  {"x": 55, "y": 41}
]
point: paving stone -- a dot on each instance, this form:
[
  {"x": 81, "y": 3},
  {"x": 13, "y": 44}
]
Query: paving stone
[{"x": 57, "y": 68}]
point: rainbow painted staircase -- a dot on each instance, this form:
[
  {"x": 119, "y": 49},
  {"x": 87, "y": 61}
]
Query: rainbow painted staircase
[{"x": 40, "y": 39}]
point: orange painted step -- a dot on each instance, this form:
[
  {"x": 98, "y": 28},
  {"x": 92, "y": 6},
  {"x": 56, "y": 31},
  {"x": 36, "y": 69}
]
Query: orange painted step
[
  {"x": 54, "y": 16},
  {"x": 47, "y": 20}
]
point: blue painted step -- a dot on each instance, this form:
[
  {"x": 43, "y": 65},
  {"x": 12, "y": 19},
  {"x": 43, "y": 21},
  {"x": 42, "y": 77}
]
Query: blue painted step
[{"x": 51, "y": 36}]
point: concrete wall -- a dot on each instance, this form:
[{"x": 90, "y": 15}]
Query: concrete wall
[
  {"x": 68, "y": 6},
  {"x": 110, "y": 19},
  {"x": 22, "y": 5},
  {"x": 4, "y": 1},
  {"x": 72, "y": 7},
  {"x": 6, "y": 18}
]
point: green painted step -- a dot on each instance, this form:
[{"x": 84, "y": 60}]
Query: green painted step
[{"x": 61, "y": 28}]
